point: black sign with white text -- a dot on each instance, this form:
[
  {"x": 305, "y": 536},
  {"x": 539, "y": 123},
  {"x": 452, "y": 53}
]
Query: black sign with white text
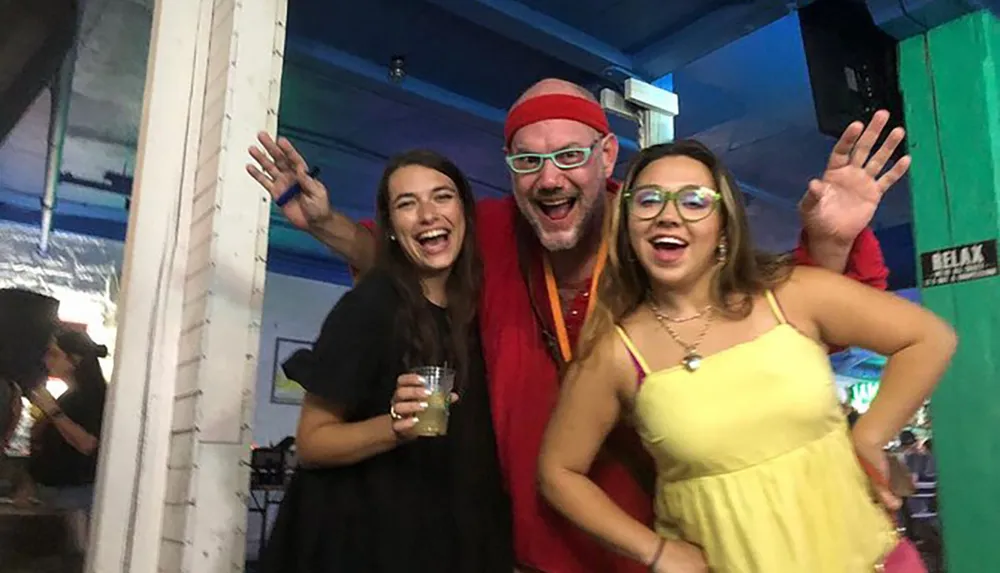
[{"x": 959, "y": 264}]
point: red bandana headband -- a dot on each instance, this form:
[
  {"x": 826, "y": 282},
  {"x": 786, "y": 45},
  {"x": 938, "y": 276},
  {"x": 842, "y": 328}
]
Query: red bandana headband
[{"x": 555, "y": 106}]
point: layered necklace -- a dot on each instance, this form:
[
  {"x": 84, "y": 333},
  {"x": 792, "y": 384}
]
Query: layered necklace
[{"x": 692, "y": 360}]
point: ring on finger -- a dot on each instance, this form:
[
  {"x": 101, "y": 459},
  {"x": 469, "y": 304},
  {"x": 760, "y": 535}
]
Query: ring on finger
[{"x": 396, "y": 416}]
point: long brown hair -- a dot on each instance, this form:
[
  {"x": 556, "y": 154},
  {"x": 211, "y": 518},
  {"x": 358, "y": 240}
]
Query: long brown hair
[
  {"x": 414, "y": 321},
  {"x": 625, "y": 284}
]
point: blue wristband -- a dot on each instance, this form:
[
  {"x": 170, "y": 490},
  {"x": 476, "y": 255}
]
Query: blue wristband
[{"x": 294, "y": 190}]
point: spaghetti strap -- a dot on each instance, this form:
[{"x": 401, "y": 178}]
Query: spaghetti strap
[
  {"x": 775, "y": 307},
  {"x": 641, "y": 368}
]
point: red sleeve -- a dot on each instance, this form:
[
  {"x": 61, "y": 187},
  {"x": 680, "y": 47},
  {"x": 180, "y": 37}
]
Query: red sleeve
[
  {"x": 865, "y": 263},
  {"x": 370, "y": 225}
]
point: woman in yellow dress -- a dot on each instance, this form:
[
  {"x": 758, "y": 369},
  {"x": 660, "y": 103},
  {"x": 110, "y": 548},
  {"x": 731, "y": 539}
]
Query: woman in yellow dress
[{"x": 717, "y": 355}]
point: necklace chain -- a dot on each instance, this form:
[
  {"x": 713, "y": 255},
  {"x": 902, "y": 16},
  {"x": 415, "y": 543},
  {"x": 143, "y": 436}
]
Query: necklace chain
[
  {"x": 692, "y": 360},
  {"x": 695, "y": 316}
]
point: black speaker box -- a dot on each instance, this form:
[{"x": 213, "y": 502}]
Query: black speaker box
[{"x": 853, "y": 65}]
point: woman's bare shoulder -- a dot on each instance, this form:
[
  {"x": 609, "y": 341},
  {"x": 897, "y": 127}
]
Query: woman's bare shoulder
[{"x": 805, "y": 276}]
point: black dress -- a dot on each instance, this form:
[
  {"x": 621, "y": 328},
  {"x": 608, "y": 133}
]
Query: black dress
[{"x": 433, "y": 505}]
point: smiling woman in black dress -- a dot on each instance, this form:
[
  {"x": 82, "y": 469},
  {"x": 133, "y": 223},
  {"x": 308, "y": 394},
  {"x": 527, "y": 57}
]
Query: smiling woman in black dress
[{"x": 369, "y": 496}]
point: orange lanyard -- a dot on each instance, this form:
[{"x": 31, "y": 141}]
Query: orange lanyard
[{"x": 553, "y": 291}]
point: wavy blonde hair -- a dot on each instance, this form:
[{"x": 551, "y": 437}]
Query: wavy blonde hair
[{"x": 624, "y": 284}]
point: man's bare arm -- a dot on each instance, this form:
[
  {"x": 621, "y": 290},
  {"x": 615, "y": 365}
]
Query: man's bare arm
[
  {"x": 838, "y": 207},
  {"x": 279, "y": 166},
  {"x": 348, "y": 238}
]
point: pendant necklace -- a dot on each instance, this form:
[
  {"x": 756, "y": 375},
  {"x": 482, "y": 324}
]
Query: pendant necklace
[{"x": 692, "y": 360}]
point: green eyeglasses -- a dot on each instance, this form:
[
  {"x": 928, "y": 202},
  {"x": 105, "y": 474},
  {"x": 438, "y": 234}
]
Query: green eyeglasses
[
  {"x": 693, "y": 202},
  {"x": 568, "y": 158}
]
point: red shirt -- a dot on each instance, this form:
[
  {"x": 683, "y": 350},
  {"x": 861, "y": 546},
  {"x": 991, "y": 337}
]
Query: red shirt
[{"x": 524, "y": 389}]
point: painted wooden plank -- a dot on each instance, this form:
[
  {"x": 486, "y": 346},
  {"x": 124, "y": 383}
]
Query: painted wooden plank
[{"x": 950, "y": 81}]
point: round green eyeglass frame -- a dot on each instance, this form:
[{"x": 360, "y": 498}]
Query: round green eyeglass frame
[{"x": 666, "y": 196}]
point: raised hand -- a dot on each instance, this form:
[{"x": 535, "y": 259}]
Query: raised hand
[
  {"x": 843, "y": 202},
  {"x": 279, "y": 166},
  {"x": 41, "y": 398}
]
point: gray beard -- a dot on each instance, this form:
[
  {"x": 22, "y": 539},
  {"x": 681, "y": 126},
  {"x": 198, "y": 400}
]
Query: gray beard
[
  {"x": 530, "y": 215},
  {"x": 556, "y": 245}
]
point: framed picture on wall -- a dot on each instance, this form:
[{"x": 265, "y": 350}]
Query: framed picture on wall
[{"x": 283, "y": 389}]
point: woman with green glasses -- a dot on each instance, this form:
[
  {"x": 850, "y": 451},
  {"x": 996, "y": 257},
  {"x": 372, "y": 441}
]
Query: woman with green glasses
[{"x": 717, "y": 354}]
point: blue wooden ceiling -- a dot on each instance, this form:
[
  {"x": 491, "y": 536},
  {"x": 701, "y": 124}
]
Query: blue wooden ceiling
[{"x": 737, "y": 66}]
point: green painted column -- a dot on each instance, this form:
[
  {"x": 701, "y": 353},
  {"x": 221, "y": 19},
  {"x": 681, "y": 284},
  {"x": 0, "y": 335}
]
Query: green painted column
[{"x": 950, "y": 77}]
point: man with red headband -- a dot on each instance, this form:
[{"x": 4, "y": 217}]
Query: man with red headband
[{"x": 541, "y": 251}]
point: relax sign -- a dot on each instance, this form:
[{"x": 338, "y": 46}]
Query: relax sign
[{"x": 959, "y": 264}]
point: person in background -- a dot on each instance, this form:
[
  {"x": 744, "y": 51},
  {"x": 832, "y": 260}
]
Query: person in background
[
  {"x": 370, "y": 496},
  {"x": 10, "y": 412},
  {"x": 28, "y": 320},
  {"x": 852, "y": 417},
  {"x": 907, "y": 441},
  {"x": 905, "y": 455},
  {"x": 924, "y": 464},
  {"x": 541, "y": 249},
  {"x": 717, "y": 354},
  {"x": 65, "y": 439},
  {"x": 850, "y": 413}
]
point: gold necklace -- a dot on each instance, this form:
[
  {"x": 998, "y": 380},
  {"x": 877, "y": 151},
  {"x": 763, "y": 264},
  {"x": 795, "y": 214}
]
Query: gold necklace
[
  {"x": 692, "y": 360},
  {"x": 694, "y": 316}
]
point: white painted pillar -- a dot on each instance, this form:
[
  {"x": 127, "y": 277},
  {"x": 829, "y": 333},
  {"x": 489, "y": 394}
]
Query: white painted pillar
[
  {"x": 651, "y": 107},
  {"x": 171, "y": 493}
]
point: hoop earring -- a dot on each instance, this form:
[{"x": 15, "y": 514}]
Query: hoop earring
[{"x": 722, "y": 251}]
